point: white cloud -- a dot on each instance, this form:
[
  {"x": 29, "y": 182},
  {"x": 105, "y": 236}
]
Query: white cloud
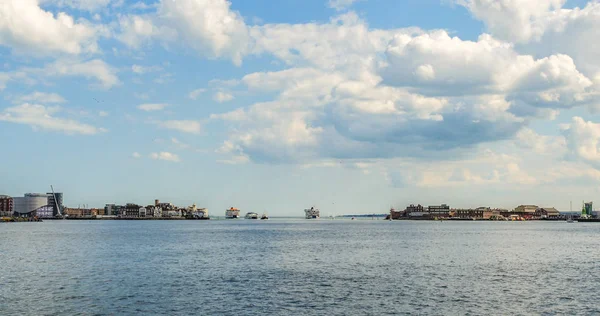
[
  {"x": 224, "y": 83},
  {"x": 84, "y": 5},
  {"x": 583, "y": 140},
  {"x": 340, "y": 4},
  {"x": 41, "y": 117},
  {"x": 196, "y": 93},
  {"x": 93, "y": 69},
  {"x": 544, "y": 27},
  {"x": 41, "y": 97},
  {"x": 143, "y": 6},
  {"x": 513, "y": 20},
  {"x": 210, "y": 27},
  {"x": 152, "y": 106},
  {"x": 145, "y": 69},
  {"x": 437, "y": 64},
  {"x": 28, "y": 29},
  {"x": 221, "y": 97},
  {"x": 167, "y": 156},
  {"x": 186, "y": 126},
  {"x": 179, "y": 144},
  {"x": 136, "y": 155},
  {"x": 103, "y": 114},
  {"x": 136, "y": 31}
]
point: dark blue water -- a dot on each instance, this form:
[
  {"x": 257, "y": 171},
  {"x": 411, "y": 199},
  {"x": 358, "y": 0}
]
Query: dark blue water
[{"x": 298, "y": 267}]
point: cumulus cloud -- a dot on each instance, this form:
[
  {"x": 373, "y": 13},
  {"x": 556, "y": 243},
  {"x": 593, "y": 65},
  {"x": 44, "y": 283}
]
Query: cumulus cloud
[
  {"x": 140, "y": 70},
  {"x": 221, "y": 96},
  {"x": 41, "y": 97},
  {"x": 167, "y": 156},
  {"x": 209, "y": 27},
  {"x": 340, "y": 4},
  {"x": 515, "y": 20},
  {"x": 583, "y": 140},
  {"x": 28, "y": 29},
  {"x": 104, "y": 74},
  {"x": 186, "y": 126},
  {"x": 196, "y": 93},
  {"x": 136, "y": 155},
  {"x": 84, "y": 5},
  {"x": 544, "y": 27},
  {"x": 40, "y": 117},
  {"x": 152, "y": 106}
]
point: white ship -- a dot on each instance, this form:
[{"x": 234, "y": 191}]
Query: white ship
[
  {"x": 251, "y": 215},
  {"x": 232, "y": 213},
  {"x": 312, "y": 213}
]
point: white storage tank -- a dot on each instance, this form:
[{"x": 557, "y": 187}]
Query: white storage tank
[{"x": 29, "y": 203}]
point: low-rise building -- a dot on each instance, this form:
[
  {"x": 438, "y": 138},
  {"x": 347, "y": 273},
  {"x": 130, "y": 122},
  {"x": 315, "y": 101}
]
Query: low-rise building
[
  {"x": 6, "y": 206},
  {"x": 80, "y": 212},
  {"x": 468, "y": 213},
  {"x": 439, "y": 211},
  {"x": 414, "y": 210},
  {"x": 547, "y": 212}
]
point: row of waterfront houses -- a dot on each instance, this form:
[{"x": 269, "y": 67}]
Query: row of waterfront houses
[
  {"x": 444, "y": 211},
  {"x": 50, "y": 205}
]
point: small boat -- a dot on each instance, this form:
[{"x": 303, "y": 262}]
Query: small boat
[
  {"x": 251, "y": 215},
  {"x": 264, "y": 216}
]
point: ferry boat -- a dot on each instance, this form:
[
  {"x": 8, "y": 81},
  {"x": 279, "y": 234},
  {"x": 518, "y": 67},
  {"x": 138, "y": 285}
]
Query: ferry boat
[
  {"x": 312, "y": 213},
  {"x": 201, "y": 213},
  {"x": 232, "y": 213},
  {"x": 251, "y": 215}
]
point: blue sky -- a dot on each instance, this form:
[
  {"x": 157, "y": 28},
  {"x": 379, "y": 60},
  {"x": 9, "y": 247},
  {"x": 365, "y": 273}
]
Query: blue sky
[{"x": 351, "y": 106}]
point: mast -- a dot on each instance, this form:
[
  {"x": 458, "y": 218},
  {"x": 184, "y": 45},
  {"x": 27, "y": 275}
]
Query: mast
[{"x": 56, "y": 201}]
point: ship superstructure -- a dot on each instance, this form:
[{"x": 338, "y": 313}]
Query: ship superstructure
[
  {"x": 232, "y": 212},
  {"x": 251, "y": 215},
  {"x": 312, "y": 213}
]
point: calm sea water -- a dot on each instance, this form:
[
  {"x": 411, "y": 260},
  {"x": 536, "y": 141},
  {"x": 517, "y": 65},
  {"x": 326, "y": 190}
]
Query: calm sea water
[{"x": 298, "y": 267}]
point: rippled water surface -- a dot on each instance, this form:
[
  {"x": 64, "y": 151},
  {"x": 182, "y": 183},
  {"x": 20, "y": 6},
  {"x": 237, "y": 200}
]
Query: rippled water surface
[{"x": 298, "y": 267}]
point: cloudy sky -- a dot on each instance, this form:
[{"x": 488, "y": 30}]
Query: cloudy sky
[{"x": 349, "y": 105}]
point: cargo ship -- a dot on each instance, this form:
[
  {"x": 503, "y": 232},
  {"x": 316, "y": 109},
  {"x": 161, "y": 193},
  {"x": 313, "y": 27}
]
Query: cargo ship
[
  {"x": 312, "y": 213},
  {"x": 232, "y": 213}
]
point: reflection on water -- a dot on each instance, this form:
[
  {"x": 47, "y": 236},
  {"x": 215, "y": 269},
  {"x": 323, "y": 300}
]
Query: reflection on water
[{"x": 298, "y": 267}]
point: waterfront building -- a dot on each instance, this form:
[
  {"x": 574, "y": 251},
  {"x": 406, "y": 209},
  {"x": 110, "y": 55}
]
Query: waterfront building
[
  {"x": 439, "y": 211},
  {"x": 524, "y": 211},
  {"x": 6, "y": 206},
  {"x": 394, "y": 214},
  {"x": 489, "y": 213},
  {"x": 155, "y": 211},
  {"x": 55, "y": 202},
  {"x": 414, "y": 211},
  {"x": 468, "y": 213},
  {"x": 29, "y": 204},
  {"x": 130, "y": 210},
  {"x": 109, "y": 209},
  {"x": 80, "y": 212},
  {"x": 587, "y": 210},
  {"x": 164, "y": 206},
  {"x": 547, "y": 212}
]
